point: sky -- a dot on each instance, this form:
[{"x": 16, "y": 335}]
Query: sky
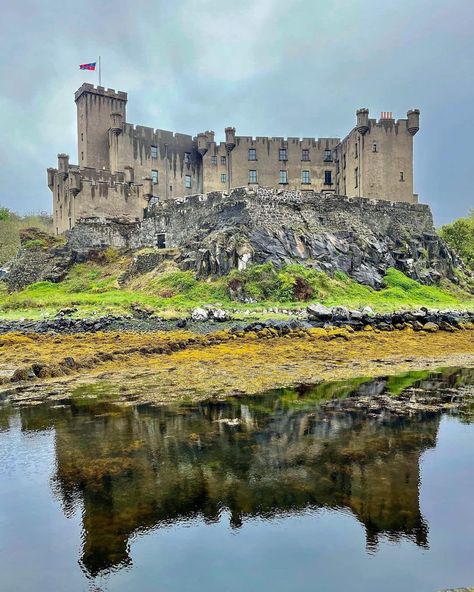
[{"x": 267, "y": 67}]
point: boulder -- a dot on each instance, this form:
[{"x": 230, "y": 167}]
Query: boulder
[
  {"x": 318, "y": 312},
  {"x": 199, "y": 314}
]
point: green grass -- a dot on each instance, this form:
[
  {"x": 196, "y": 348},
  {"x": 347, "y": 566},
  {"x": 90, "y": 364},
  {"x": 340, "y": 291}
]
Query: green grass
[{"x": 93, "y": 287}]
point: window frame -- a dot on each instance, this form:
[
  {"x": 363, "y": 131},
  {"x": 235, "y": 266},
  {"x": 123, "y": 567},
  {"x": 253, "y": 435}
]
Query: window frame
[
  {"x": 328, "y": 177},
  {"x": 328, "y": 155},
  {"x": 283, "y": 154},
  {"x": 223, "y": 159},
  {"x": 154, "y": 151},
  {"x": 306, "y": 177},
  {"x": 305, "y": 156},
  {"x": 254, "y": 154},
  {"x": 253, "y": 176},
  {"x": 188, "y": 182},
  {"x": 154, "y": 176},
  {"x": 283, "y": 175},
  {"x": 214, "y": 159},
  {"x": 223, "y": 177}
]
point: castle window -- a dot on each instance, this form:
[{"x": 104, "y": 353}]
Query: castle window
[
  {"x": 82, "y": 155},
  {"x": 356, "y": 174},
  {"x": 82, "y": 137},
  {"x": 284, "y": 177},
  {"x": 356, "y": 154},
  {"x": 374, "y": 147},
  {"x": 282, "y": 155},
  {"x": 305, "y": 177},
  {"x": 305, "y": 154},
  {"x": 402, "y": 176},
  {"x": 154, "y": 151},
  {"x": 327, "y": 156},
  {"x": 223, "y": 178},
  {"x": 154, "y": 176},
  {"x": 187, "y": 158},
  {"x": 252, "y": 176},
  {"x": 187, "y": 181},
  {"x": 214, "y": 160},
  {"x": 343, "y": 161},
  {"x": 252, "y": 154},
  {"x": 223, "y": 159},
  {"x": 328, "y": 177}
]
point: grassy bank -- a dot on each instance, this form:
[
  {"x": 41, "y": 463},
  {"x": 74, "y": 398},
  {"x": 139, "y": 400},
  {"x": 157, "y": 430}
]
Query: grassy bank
[{"x": 93, "y": 287}]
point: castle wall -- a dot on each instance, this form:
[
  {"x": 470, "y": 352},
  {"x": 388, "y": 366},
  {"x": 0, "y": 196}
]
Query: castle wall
[
  {"x": 176, "y": 158},
  {"x": 268, "y": 164}
]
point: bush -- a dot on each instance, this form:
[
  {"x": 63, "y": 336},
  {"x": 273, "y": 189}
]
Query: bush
[{"x": 460, "y": 237}]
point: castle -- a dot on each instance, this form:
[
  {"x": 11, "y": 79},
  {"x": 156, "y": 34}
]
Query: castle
[{"x": 123, "y": 168}]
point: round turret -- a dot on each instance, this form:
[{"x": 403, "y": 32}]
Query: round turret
[
  {"x": 413, "y": 121},
  {"x": 230, "y": 138},
  {"x": 202, "y": 144},
  {"x": 362, "y": 121}
]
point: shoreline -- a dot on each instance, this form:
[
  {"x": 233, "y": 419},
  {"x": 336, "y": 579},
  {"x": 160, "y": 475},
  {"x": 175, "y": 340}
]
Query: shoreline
[{"x": 180, "y": 366}]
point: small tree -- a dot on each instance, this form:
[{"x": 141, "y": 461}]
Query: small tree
[{"x": 460, "y": 236}]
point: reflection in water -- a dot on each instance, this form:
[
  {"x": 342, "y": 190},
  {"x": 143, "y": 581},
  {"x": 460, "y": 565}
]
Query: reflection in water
[{"x": 137, "y": 468}]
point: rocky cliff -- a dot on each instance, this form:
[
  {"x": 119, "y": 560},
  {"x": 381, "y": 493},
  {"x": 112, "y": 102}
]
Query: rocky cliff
[{"x": 218, "y": 231}]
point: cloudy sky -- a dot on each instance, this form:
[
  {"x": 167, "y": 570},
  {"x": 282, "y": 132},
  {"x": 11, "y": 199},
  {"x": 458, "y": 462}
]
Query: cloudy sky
[{"x": 268, "y": 67}]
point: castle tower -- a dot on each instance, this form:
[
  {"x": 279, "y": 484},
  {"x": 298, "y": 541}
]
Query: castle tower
[{"x": 95, "y": 106}]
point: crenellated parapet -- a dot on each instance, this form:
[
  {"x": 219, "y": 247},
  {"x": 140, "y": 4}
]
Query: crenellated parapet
[{"x": 100, "y": 91}]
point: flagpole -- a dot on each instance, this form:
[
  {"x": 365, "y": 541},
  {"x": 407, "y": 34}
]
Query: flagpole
[{"x": 100, "y": 73}]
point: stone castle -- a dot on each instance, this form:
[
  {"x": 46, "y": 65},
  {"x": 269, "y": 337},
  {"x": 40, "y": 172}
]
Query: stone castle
[{"x": 123, "y": 168}]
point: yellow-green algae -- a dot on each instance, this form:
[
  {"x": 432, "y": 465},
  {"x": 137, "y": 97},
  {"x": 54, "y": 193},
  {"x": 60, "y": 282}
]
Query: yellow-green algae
[{"x": 175, "y": 366}]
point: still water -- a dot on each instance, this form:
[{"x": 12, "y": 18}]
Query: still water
[{"x": 271, "y": 492}]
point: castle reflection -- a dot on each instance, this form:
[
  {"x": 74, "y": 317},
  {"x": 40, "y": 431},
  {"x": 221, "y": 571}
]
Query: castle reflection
[{"x": 133, "y": 469}]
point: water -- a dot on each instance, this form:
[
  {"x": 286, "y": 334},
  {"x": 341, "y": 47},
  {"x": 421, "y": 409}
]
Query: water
[{"x": 271, "y": 492}]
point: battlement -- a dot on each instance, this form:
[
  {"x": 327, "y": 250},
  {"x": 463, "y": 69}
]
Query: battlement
[
  {"x": 100, "y": 91},
  {"x": 314, "y": 142},
  {"x": 150, "y": 132}
]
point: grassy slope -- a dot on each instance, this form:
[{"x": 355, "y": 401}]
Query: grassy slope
[
  {"x": 10, "y": 226},
  {"x": 93, "y": 287}
]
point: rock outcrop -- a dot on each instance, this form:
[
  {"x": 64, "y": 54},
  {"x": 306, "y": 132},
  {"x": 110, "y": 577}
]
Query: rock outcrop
[{"x": 41, "y": 257}]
